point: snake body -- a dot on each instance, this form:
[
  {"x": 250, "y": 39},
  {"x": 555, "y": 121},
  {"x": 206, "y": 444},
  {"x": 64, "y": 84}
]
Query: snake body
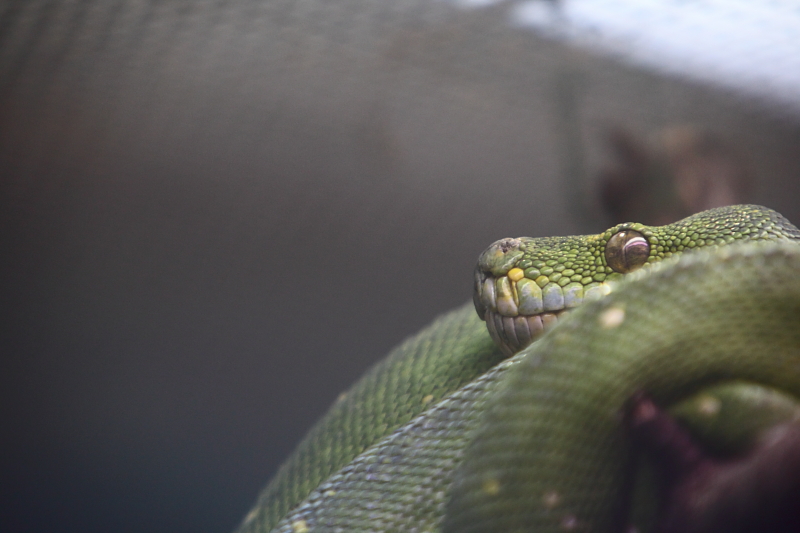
[{"x": 450, "y": 433}]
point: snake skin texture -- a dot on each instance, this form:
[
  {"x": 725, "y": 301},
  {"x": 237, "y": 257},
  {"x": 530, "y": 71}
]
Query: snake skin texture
[{"x": 446, "y": 434}]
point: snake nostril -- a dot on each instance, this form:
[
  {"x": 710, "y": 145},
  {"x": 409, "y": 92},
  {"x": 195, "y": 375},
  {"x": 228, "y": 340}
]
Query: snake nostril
[
  {"x": 508, "y": 244},
  {"x": 501, "y": 256}
]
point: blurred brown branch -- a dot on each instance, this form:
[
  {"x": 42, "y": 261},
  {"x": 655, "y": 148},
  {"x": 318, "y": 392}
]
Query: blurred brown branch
[{"x": 675, "y": 173}]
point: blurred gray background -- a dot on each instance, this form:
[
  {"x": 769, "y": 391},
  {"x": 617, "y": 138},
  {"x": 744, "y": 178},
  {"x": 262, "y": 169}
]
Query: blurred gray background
[{"x": 214, "y": 215}]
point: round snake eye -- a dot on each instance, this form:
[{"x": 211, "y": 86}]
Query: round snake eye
[{"x": 627, "y": 251}]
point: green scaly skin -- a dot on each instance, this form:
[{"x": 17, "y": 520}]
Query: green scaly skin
[
  {"x": 566, "y": 270},
  {"x": 551, "y": 452},
  {"x": 352, "y": 472}
]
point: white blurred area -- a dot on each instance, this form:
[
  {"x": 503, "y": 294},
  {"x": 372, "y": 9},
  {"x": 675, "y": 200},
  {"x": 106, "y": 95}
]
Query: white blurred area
[{"x": 750, "y": 47}]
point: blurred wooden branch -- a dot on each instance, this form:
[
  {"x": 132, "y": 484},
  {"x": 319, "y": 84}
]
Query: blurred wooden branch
[{"x": 677, "y": 172}]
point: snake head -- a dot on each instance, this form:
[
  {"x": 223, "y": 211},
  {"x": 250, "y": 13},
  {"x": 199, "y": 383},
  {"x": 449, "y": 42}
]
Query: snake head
[{"x": 524, "y": 285}]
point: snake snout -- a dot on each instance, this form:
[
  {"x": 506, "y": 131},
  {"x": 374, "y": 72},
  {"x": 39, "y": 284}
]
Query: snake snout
[{"x": 519, "y": 305}]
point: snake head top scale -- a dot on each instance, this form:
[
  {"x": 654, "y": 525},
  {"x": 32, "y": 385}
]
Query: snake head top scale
[{"x": 523, "y": 285}]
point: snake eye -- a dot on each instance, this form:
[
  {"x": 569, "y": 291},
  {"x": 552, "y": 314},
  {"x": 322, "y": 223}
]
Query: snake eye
[{"x": 626, "y": 251}]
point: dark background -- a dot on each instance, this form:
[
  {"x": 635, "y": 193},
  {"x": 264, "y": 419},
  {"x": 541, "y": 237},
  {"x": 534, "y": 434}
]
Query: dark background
[{"x": 214, "y": 215}]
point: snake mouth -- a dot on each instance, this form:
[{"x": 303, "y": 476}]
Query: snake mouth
[
  {"x": 512, "y": 334},
  {"x": 518, "y": 310}
]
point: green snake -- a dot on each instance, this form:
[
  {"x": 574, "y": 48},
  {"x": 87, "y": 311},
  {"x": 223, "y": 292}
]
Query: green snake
[{"x": 458, "y": 430}]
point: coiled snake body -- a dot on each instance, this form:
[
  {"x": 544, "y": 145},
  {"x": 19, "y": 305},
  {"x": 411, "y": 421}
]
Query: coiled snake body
[{"x": 452, "y": 432}]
